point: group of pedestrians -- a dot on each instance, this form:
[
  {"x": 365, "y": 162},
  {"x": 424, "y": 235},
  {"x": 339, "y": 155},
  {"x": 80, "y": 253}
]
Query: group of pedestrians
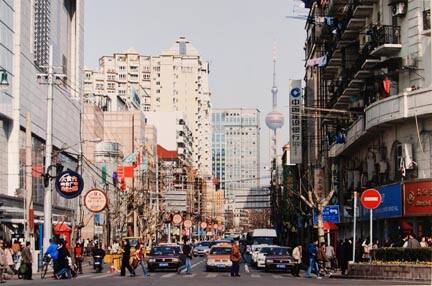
[{"x": 15, "y": 259}]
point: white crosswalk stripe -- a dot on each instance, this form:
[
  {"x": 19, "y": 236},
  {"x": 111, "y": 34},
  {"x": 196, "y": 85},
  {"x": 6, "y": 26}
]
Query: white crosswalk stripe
[
  {"x": 168, "y": 275},
  {"x": 84, "y": 276},
  {"x": 211, "y": 275},
  {"x": 277, "y": 276},
  {"x": 190, "y": 276},
  {"x": 103, "y": 276},
  {"x": 255, "y": 275}
]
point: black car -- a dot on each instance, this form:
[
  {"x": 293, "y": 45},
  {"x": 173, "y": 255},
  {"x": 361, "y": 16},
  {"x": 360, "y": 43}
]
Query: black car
[{"x": 164, "y": 257}]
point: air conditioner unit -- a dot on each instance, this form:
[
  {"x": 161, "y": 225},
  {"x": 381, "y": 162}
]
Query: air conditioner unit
[
  {"x": 399, "y": 9},
  {"x": 407, "y": 156},
  {"x": 408, "y": 61}
]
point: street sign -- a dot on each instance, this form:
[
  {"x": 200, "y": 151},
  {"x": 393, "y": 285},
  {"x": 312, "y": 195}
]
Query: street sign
[
  {"x": 177, "y": 219},
  {"x": 370, "y": 199},
  {"x": 187, "y": 223},
  {"x": 330, "y": 214},
  {"x": 95, "y": 200},
  {"x": 98, "y": 229}
]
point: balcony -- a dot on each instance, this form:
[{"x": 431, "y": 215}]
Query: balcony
[
  {"x": 382, "y": 112},
  {"x": 426, "y": 23},
  {"x": 387, "y": 41}
]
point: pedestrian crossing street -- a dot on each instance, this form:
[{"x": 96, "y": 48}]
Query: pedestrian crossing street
[{"x": 171, "y": 275}]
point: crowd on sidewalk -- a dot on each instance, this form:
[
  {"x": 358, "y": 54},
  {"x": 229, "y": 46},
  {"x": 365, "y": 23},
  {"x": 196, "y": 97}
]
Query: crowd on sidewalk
[{"x": 15, "y": 259}]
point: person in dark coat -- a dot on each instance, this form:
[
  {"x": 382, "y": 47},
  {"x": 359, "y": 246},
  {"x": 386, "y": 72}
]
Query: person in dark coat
[
  {"x": 126, "y": 259},
  {"x": 27, "y": 259},
  {"x": 346, "y": 255},
  {"x": 63, "y": 268}
]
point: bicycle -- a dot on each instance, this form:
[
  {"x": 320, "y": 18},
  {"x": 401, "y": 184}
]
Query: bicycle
[{"x": 45, "y": 265}]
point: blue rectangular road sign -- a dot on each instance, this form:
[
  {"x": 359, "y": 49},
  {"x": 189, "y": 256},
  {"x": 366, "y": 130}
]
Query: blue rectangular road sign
[{"x": 330, "y": 214}]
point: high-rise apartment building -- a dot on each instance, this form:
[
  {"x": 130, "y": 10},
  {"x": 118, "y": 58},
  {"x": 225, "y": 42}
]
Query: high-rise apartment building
[
  {"x": 174, "y": 81},
  {"x": 236, "y": 149}
]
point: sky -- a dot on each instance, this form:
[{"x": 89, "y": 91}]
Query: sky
[{"x": 235, "y": 36}]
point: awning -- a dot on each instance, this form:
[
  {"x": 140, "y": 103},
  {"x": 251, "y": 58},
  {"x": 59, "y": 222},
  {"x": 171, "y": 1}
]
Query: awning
[{"x": 329, "y": 226}]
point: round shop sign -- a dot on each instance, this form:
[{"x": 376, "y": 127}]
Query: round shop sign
[
  {"x": 203, "y": 225},
  {"x": 215, "y": 226},
  {"x": 69, "y": 184},
  {"x": 177, "y": 219},
  {"x": 295, "y": 92},
  {"x": 95, "y": 200},
  {"x": 187, "y": 223}
]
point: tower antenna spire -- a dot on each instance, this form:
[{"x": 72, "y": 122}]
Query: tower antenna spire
[{"x": 274, "y": 63}]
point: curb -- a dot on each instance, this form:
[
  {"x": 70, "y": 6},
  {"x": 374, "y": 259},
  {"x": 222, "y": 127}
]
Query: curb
[{"x": 351, "y": 277}]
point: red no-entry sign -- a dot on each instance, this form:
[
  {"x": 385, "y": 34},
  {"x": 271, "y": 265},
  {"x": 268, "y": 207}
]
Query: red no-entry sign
[{"x": 371, "y": 199}]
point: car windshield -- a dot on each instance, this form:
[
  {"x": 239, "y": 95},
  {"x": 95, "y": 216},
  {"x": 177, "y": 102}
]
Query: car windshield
[
  {"x": 266, "y": 250},
  {"x": 280, "y": 251},
  {"x": 164, "y": 250},
  {"x": 220, "y": 250},
  {"x": 263, "y": 240},
  {"x": 204, "y": 244}
]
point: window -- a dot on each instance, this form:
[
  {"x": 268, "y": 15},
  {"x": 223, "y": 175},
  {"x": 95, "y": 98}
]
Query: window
[{"x": 42, "y": 21}]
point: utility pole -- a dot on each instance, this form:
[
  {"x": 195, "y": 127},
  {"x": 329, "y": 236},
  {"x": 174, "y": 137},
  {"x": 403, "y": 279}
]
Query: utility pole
[
  {"x": 28, "y": 216},
  {"x": 50, "y": 78}
]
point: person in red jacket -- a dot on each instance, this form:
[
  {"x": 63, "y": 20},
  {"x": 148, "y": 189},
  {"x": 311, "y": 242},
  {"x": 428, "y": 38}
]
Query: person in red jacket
[{"x": 235, "y": 257}]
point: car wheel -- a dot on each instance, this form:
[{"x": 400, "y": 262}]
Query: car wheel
[
  {"x": 208, "y": 269},
  {"x": 266, "y": 269}
]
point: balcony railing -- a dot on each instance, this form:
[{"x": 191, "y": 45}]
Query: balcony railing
[
  {"x": 426, "y": 20},
  {"x": 388, "y": 34},
  {"x": 386, "y": 40}
]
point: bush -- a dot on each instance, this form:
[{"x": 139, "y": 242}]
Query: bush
[{"x": 388, "y": 254}]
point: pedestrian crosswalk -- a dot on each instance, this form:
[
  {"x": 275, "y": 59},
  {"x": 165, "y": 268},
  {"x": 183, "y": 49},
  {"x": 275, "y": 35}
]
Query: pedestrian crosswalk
[{"x": 164, "y": 275}]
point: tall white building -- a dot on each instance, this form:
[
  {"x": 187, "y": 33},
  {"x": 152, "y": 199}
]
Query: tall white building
[
  {"x": 174, "y": 81},
  {"x": 27, "y": 28},
  {"x": 236, "y": 150}
]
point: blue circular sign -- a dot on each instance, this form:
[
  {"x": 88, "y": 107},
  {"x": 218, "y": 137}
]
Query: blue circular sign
[
  {"x": 69, "y": 184},
  {"x": 295, "y": 92}
]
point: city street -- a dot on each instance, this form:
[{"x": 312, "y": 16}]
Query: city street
[{"x": 200, "y": 277}]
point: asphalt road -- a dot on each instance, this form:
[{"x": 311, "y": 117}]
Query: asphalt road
[{"x": 200, "y": 277}]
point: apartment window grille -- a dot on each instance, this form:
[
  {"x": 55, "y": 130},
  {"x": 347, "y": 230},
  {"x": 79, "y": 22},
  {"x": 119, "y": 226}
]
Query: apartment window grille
[{"x": 42, "y": 21}]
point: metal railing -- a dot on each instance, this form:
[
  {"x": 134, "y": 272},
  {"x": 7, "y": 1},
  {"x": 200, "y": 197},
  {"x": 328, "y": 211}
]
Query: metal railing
[{"x": 388, "y": 34}]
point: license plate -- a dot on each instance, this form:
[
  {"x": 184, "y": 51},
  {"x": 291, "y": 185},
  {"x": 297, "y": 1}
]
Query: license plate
[
  {"x": 281, "y": 266},
  {"x": 221, "y": 265},
  {"x": 163, "y": 264}
]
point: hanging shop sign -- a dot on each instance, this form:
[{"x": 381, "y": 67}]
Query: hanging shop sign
[
  {"x": 215, "y": 226},
  {"x": 69, "y": 184},
  {"x": 391, "y": 205},
  {"x": 295, "y": 122},
  {"x": 417, "y": 198},
  {"x": 95, "y": 200},
  {"x": 177, "y": 219}
]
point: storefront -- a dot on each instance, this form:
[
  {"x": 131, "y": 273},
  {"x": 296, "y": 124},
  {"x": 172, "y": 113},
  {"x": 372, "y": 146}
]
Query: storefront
[{"x": 418, "y": 207}]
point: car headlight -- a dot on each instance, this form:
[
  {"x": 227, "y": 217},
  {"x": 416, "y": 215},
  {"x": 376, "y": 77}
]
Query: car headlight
[
  {"x": 175, "y": 260},
  {"x": 269, "y": 260},
  {"x": 211, "y": 261},
  {"x": 152, "y": 260}
]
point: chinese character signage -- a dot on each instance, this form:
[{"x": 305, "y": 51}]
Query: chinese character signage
[
  {"x": 69, "y": 184},
  {"x": 95, "y": 200},
  {"x": 418, "y": 198},
  {"x": 295, "y": 98},
  {"x": 319, "y": 182}
]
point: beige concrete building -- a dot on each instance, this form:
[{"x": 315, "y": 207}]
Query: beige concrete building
[{"x": 174, "y": 81}]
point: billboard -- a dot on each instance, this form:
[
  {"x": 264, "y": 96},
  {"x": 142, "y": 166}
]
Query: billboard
[
  {"x": 418, "y": 198},
  {"x": 391, "y": 205},
  {"x": 295, "y": 141}
]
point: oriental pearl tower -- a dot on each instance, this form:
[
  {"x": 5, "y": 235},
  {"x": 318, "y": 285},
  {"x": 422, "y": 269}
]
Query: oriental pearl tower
[{"x": 274, "y": 120}]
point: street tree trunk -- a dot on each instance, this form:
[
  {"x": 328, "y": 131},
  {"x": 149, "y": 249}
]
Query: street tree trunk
[{"x": 321, "y": 237}]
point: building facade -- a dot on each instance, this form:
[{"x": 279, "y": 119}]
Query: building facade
[
  {"x": 27, "y": 30},
  {"x": 236, "y": 150},
  {"x": 368, "y": 74},
  {"x": 174, "y": 81}
]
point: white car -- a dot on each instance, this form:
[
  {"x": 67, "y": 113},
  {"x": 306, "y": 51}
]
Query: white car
[
  {"x": 254, "y": 252},
  {"x": 262, "y": 253}
]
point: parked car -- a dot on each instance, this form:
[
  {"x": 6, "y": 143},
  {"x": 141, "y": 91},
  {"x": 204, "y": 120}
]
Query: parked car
[
  {"x": 201, "y": 248},
  {"x": 254, "y": 252},
  {"x": 279, "y": 259},
  {"x": 164, "y": 257},
  {"x": 218, "y": 258}
]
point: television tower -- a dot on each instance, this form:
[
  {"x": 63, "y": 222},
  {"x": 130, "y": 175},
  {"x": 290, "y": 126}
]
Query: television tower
[{"x": 274, "y": 120}]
